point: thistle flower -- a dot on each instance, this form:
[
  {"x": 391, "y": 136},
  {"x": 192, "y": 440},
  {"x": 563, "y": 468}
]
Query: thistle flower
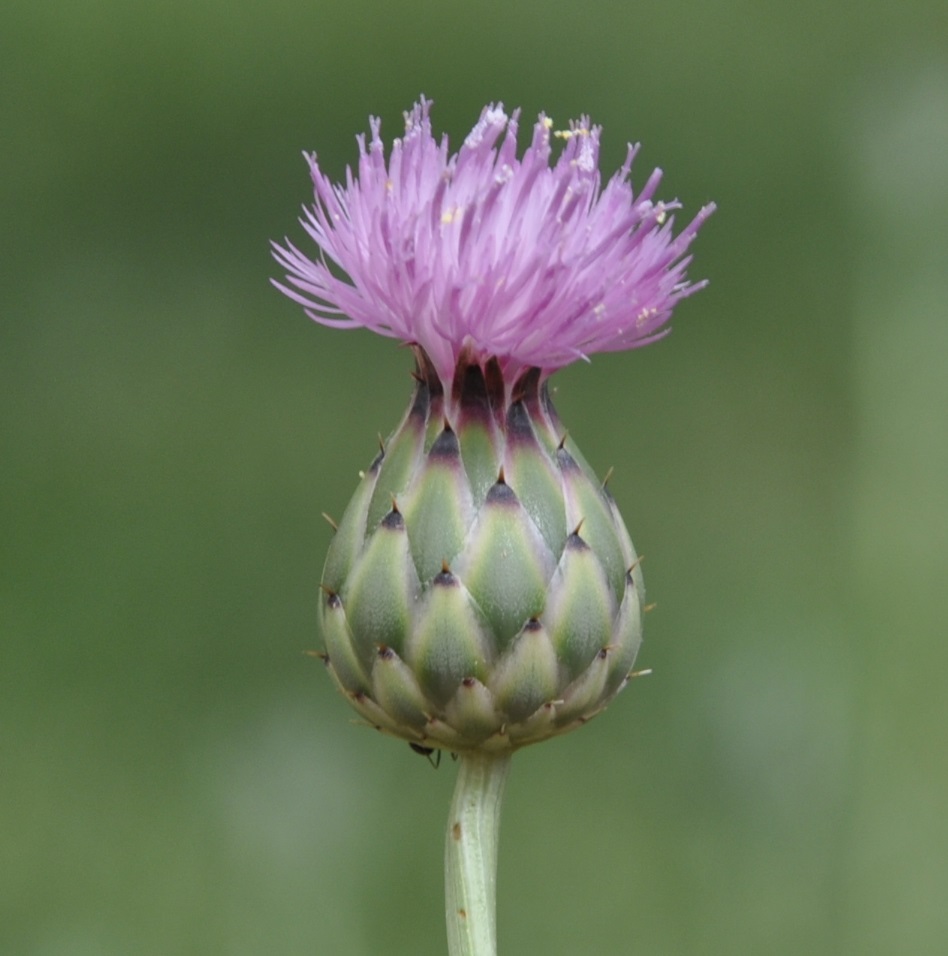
[
  {"x": 481, "y": 592},
  {"x": 530, "y": 263}
]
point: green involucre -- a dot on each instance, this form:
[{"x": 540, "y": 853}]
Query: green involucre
[{"x": 481, "y": 591}]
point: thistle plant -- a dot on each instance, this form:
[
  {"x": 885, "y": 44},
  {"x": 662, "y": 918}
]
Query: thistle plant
[{"x": 481, "y": 592}]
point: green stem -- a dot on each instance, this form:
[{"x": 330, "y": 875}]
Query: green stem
[{"x": 470, "y": 854}]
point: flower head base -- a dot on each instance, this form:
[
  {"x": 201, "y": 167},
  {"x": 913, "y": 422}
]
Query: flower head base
[
  {"x": 481, "y": 591},
  {"x": 529, "y": 261}
]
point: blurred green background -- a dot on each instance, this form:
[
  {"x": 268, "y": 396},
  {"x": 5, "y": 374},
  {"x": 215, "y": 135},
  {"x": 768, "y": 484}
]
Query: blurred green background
[{"x": 176, "y": 776}]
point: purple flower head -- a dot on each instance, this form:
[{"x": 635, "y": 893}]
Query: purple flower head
[{"x": 530, "y": 261}]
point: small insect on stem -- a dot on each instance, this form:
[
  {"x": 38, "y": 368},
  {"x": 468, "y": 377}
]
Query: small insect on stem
[{"x": 435, "y": 760}]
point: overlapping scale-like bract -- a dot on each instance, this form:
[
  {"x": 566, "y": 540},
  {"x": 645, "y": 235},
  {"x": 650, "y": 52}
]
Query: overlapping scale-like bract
[{"x": 481, "y": 591}]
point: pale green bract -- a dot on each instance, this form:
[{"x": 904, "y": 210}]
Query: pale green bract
[{"x": 481, "y": 591}]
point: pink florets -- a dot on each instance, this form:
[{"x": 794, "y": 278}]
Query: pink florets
[{"x": 532, "y": 263}]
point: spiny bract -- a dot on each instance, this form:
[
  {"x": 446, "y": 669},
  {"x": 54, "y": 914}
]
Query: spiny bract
[{"x": 481, "y": 591}]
